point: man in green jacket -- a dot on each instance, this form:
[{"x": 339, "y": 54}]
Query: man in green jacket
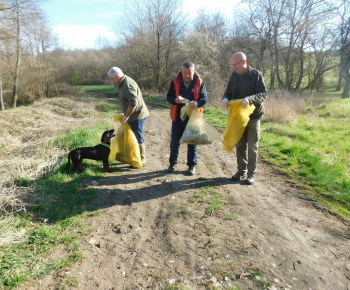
[
  {"x": 133, "y": 106},
  {"x": 248, "y": 84}
]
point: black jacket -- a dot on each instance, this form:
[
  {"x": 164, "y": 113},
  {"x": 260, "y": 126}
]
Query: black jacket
[{"x": 248, "y": 85}]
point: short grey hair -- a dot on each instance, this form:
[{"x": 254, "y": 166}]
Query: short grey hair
[
  {"x": 188, "y": 64},
  {"x": 115, "y": 71}
]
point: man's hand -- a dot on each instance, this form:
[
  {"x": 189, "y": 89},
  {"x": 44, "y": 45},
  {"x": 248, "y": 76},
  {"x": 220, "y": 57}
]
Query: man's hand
[
  {"x": 245, "y": 103},
  {"x": 180, "y": 100},
  {"x": 125, "y": 119},
  {"x": 193, "y": 104},
  {"x": 224, "y": 102}
]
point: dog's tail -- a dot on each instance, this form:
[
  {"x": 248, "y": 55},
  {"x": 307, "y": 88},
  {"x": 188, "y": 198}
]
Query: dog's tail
[{"x": 68, "y": 161}]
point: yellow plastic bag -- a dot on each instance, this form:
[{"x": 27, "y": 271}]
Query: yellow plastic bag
[
  {"x": 238, "y": 119},
  {"x": 198, "y": 131},
  {"x": 186, "y": 110},
  {"x": 125, "y": 147}
]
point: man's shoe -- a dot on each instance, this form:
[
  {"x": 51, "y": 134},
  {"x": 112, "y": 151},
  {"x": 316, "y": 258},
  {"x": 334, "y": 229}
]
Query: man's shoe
[
  {"x": 250, "y": 180},
  {"x": 192, "y": 170},
  {"x": 171, "y": 168},
  {"x": 237, "y": 176}
]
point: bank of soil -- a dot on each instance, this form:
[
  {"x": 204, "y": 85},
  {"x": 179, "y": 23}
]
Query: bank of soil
[{"x": 158, "y": 228}]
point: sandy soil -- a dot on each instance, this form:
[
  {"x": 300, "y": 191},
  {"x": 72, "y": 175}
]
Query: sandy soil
[{"x": 154, "y": 230}]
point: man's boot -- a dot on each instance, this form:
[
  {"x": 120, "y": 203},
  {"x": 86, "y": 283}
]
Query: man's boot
[
  {"x": 143, "y": 154},
  {"x": 192, "y": 169},
  {"x": 171, "y": 168}
]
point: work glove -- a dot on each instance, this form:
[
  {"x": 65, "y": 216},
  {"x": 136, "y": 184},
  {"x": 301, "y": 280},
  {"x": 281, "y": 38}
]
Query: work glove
[
  {"x": 245, "y": 103},
  {"x": 193, "y": 104},
  {"x": 224, "y": 102},
  {"x": 125, "y": 119}
]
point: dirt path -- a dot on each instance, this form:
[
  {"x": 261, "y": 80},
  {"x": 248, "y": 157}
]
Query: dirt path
[{"x": 154, "y": 229}]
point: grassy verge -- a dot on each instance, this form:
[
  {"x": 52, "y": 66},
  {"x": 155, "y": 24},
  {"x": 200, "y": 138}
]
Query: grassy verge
[
  {"x": 313, "y": 147},
  {"x": 157, "y": 100},
  {"x": 42, "y": 237},
  {"x": 99, "y": 89},
  {"x": 54, "y": 218}
]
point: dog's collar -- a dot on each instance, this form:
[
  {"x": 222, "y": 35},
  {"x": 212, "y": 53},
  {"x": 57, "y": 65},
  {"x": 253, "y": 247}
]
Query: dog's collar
[{"x": 105, "y": 144}]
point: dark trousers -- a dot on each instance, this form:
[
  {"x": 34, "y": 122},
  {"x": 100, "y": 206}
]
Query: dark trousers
[
  {"x": 177, "y": 130},
  {"x": 137, "y": 128},
  {"x": 247, "y": 148}
]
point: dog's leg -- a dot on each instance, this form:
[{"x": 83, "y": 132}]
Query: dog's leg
[
  {"x": 79, "y": 165},
  {"x": 106, "y": 166}
]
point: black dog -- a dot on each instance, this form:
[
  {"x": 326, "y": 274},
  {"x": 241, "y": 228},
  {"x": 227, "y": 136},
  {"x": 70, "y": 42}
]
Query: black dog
[{"x": 98, "y": 152}]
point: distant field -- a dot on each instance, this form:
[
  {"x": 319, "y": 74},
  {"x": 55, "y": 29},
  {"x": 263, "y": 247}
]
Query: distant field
[{"x": 99, "y": 89}]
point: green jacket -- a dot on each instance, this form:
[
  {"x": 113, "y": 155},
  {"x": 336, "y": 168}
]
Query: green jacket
[
  {"x": 248, "y": 85},
  {"x": 130, "y": 96}
]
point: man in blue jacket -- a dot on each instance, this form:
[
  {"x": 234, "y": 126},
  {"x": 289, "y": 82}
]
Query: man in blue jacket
[{"x": 187, "y": 87}]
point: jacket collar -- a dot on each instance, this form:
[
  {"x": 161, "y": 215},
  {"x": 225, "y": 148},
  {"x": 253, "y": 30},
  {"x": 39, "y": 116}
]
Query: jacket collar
[
  {"x": 122, "y": 81},
  {"x": 245, "y": 74}
]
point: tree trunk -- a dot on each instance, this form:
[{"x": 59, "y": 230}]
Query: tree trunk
[
  {"x": 158, "y": 62},
  {"x": 340, "y": 78},
  {"x": 18, "y": 61},
  {"x": 277, "y": 69},
  {"x": 272, "y": 73},
  {"x": 346, "y": 92},
  {"x": 301, "y": 71},
  {"x": 47, "y": 86},
  {"x": 1, "y": 96}
]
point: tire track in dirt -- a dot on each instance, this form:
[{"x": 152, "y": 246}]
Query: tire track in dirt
[{"x": 154, "y": 228}]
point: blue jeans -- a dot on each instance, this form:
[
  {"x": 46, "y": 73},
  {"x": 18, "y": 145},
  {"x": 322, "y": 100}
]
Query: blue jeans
[
  {"x": 177, "y": 130},
  {"x": 137, "y": 128}
]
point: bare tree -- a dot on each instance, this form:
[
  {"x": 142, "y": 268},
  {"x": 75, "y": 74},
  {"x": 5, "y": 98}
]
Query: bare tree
[
  {"x": 20, "y": 12},
  {"x": 344, "y": 44},
  {"x": 284, "y": 29},
  {"x": 39, "y": 41},
  {"x": 151, "y": 31},
  {"x": 259, "y": 32},
  {"x": 214, "y": 24}
]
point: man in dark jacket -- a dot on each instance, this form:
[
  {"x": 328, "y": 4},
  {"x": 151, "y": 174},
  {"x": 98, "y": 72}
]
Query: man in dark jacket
[
  {"x": 248, "y": 84},
  {"x": 186, "y": 87}
]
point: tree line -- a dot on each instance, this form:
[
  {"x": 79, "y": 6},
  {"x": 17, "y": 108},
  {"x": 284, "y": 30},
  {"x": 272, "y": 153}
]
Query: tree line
[{"x": 294, "y": 43}]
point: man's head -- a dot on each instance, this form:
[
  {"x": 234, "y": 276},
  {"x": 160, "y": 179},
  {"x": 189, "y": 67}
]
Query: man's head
[
  {"x": 187, "y": 71},
  {"x": 115, "y": 74},
  {"x": 239, "y": 62}
]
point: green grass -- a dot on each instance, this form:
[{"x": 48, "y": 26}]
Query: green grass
[
  {"x": 82, "y": 137},
  {"x": 333, "y": 93},
  {"x": 55, "y": 218},
  {"x": 216, "y": 117},
  {"x": 210, "y": 196},
  {"x": 315, "y": 149},
  {"x": 156, "y": 100},
  {"x": 99, "y": 88}
]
